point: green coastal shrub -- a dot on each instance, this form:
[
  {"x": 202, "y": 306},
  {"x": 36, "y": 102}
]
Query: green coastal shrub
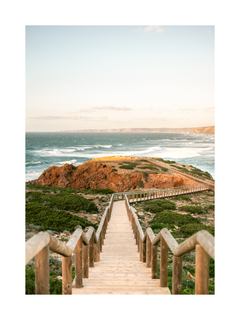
[
  {"x": 193, "y": 209},
  {"x": 192, "y": 228},
  {"x": 211, "y": 268},
  {"x": 209, "y": 194},
  {"x": 98, "y": 191},
  {"x": 177, "y": 167},
  {"x": 168, "y": 161},
  {"x": 163, "y": 169},
  {"x": 49, "y": 189},
  {"x": 29, "y": 280},
  {"x": 51, "y": 219},
  {"x": 160, "y": 205},
  {"x": 168, "y": 217},
  {"x": 129, "y": 165},
  {"x": 63, "y": 201},
  {"x": 185, "y": 198},
  {"x": 157, "y": 225},
  {"x": 211, "y": 207},
  {"x": 140, "y": 184},
  {"x": 188, "y": 286}
]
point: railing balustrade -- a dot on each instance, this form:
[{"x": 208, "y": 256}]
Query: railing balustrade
[
  {"x": 141, "y": 195},
  {"x": 202, "y": 242}
]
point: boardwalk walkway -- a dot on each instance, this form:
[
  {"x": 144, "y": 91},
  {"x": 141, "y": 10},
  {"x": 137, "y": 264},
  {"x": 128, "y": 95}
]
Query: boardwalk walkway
[{"x": 120, "y": 270}]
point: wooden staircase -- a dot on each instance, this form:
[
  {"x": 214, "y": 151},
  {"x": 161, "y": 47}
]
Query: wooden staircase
[
  {"x": 119, "y": 258},
  {"x": 120, "y": 270}
]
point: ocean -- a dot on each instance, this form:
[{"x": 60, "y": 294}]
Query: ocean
[{"x": 45, "y": 149}]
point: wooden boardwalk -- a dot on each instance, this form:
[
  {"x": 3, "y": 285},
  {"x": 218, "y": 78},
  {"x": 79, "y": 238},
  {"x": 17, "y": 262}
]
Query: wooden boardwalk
[{"x": 120, "y": 270}]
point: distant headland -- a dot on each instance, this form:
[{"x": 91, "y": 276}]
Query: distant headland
[{"x": 204, "y": 130}]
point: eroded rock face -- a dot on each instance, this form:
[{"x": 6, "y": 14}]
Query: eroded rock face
[{"x": 96, "y": 175}]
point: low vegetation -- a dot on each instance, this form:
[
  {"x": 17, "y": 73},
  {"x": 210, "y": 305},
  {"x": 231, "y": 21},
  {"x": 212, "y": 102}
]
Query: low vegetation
[
  {"x": 167, "y": 161},
  {"x": 171, "y": 218},
  {"x": 160, "y": 205},
  {"x": 140, "y": 184},
  {"x": 185, "y": 198},
  {"x": 63, "y": 201},
  {"x": 193, "y": 209},
  {"x": 163, "y": 169},
  {"x": 46, "y": 189},
  {"x": 128, "y": 165},
  {"x": 52, "y": 219},
  {"x": 98, "y": 191}
]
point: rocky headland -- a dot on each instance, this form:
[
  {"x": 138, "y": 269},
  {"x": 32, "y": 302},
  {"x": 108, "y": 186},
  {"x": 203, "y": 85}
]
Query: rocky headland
[{"x": 119, "y": 174}]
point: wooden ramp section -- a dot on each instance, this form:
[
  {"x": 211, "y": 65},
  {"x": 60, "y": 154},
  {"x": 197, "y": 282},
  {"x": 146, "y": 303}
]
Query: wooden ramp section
[{"x": 120, "y": 270}]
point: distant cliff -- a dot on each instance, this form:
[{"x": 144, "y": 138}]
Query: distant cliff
[{"x": 205, "y": 130}]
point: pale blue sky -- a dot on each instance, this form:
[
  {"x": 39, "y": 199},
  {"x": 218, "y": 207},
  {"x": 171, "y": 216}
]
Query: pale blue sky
[{"x": 86, "y": 77}]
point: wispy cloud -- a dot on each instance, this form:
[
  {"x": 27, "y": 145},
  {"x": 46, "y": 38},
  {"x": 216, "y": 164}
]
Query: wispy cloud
[
  {"x": 188, "y": 110},
  {"x": 183, "y": 110},
  {"x": 103, "y": 108},
  {"x": 211, "y": 109},
  {"x": 154, "y": 29},
  {"x": 147, "y": 119},
  {"x": 74, "y": 117}
]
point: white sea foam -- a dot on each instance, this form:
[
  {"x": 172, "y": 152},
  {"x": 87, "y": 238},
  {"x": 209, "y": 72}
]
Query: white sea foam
[
  {"x": 34, "y": 162},
  {"x": 69, "y": 162},
  {"x": 148, "y": 151},
  {"x": 103, "y": 146},
  {"x": 32, "y": 175}
]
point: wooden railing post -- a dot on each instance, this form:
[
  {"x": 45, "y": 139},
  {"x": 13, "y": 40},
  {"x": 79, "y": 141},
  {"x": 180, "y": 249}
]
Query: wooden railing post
[
  {"x": 148, "y": 253},
  {"x": 137, "y": 238},
  {"x": 202, "y": 271},
  {"x": 177, "y": 275},
  {"x": 154, "y": 262},
  {"x": 85, "y": 261},
  {"x": 95, "y": 252},
  {"x": 144, "y": 251},
  {"x": 67, "y": 275},
  {"x": 101, "y": 241},
  {"x": 163, "y": 263},
  {"x": 78, "y": 264},
  {"x": 98, "y": 250},
  {"x": 42, "y": 271},
  {"x": 91, "y": 251},
  {"x": 140, "y": 248}
]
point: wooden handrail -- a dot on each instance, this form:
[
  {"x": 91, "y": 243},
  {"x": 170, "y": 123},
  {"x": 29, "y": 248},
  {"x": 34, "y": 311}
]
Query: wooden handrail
[
  {"x": 161, "y": 193},
  {"x": 87, "y": 249},
  {"x": 202, "y": 241}
]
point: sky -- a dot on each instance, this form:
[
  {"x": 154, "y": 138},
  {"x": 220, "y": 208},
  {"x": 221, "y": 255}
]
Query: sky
[{"x": 108, "y": 77}]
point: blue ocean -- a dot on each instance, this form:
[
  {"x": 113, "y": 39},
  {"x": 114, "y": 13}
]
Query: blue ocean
[{"x": 44, "y": 149}]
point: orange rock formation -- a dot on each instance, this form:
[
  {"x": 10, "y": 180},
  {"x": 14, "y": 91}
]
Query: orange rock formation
[{"x": 95, "y": 174}]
